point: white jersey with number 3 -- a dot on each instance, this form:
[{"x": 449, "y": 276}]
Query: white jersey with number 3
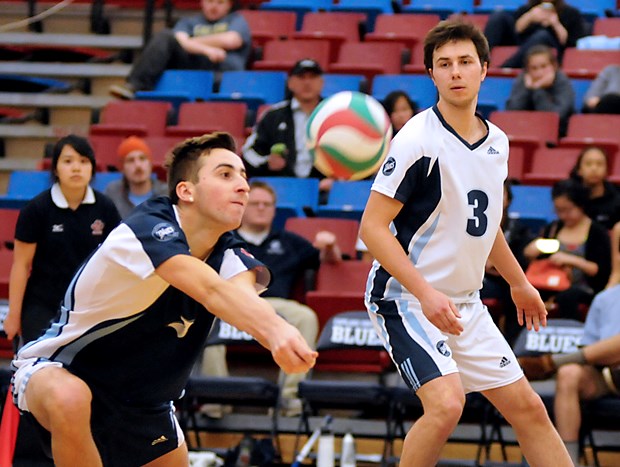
[{"x": 452, "y": 194}]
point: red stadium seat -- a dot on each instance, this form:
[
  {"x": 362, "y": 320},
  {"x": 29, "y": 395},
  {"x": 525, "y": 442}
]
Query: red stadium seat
[
  {"x": 550, "y": 165},
  {"x": 408, "y": 29},
  {"x": 593, "y": 130},
  {"x": 369, "y": 59},
  {"x": 528, "y": 129},
  {"x": 339, "y": 287},
  {"x": 8, "y": 221},
  {"x": 587, "y": 63},
  {"x": 282, "y": 55},
  {"x": 346, "y": 230},
  {"x": 609, "y": 27},
  {"x": 336, "y": 27},
  {"x": 269, "y": 25},
  {"x": 198, "y": 118},
  {"x": 499, "y": 54},
  {"x": 126, "y": 118}
]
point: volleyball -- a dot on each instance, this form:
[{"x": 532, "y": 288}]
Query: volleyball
[{"x": 348, "y": 134}]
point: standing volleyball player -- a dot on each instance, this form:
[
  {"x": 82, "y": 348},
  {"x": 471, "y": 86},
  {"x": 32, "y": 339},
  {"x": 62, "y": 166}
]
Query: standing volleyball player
[
  {"x": 136, "y": 315},
  {"x": 431, "y": 222}
]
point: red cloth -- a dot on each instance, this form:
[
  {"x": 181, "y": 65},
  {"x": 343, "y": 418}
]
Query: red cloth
[{"x": 8, "y": 431}]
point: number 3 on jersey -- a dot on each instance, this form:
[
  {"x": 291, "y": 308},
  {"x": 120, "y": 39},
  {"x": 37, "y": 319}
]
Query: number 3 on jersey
[{"x": 479, "y": 200}]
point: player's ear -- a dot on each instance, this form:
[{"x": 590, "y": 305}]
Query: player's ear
[{"x": 185, "y": 191}]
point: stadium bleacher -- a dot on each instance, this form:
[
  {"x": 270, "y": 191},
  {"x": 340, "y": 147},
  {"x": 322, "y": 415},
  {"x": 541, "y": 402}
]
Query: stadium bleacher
[{"x": 73, "y": 94}]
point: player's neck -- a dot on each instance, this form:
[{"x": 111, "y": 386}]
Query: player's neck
[
  {"x": 463, "y": 120},
  {"x": 201, "y": 236}
]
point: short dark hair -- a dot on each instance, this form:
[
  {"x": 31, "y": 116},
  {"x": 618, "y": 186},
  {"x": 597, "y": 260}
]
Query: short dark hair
[
  {"x": 577, "y": 193},
  {"x": 454, "y": 30},
  {"x": 81, "y": 146},
  {"x": 390, "y": 101},
  {"x": 182, "y": 161},
  {"x": 264, "y": 186}
]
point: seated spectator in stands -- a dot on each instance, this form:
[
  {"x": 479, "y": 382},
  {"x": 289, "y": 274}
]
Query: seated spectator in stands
[
  {"x": 591, "y": 372},
  {"x": 217, "y": 39},
  {"x": 591, "y": 170},
  {"x": 542, "y": 86},
  {"x": 288, "y": 256},
  {"x": 584, "y": 250},
  {"x": 277, "y": 145},
  {"x": 518, "y": 236},
  {"x": 138, "y": 183},
  {"x": 551, "y": 23},
  {"x": 603, "y": 96},
  {"x": 400, "y": 109}
]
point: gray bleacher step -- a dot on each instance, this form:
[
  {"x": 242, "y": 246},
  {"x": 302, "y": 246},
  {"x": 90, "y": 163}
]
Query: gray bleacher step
[
  {"x": 15, "y": 99},
  {"x": 116, "y": 41},
  {"x": 66, "y": 70}
]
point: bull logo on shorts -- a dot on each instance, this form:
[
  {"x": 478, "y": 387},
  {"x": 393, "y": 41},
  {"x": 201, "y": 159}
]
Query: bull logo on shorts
[{"x": 443, "y": 348}]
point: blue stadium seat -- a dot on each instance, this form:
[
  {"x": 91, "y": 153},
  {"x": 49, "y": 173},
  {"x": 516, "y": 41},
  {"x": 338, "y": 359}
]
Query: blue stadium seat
[
  {"x": 293, "y": 195},
  {"x": 23, "y": 186},
  {"x": 334, "y": 82},
  {"x": 372, "y": 8},
  {"x": 347, "y": 199},
  {"x": 101, "y": 179},
  {"x": 443, "y": 8},
  {"x": 419, "y": 87},
  {"x": 177, "y": 86},
  {"x": 252, "y": 87},
  {"x": 494, "y": 93},
  {"x": 532, "y": 205},
  {"x": 593, "y": 8},
  {"x": 581, "y": 87},
  {"x": 489, "y": 6}
]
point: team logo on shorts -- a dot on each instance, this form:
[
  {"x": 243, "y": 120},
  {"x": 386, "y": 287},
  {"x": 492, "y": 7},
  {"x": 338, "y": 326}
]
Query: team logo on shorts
[
  {"x": 164, "y": 232},
  {"x": 389, "y": 166},
  {"x": 443, "y": 348}
]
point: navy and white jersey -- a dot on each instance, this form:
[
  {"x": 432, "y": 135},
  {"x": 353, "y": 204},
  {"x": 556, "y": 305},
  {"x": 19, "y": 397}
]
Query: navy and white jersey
[
  {"x": 452, "y": 194},
  {"x": 121, "y": 327}
]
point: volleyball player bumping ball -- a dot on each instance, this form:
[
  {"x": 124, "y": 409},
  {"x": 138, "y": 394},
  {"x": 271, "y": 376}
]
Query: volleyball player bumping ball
[
  {"x": 431, "y": 222},
  {"x": 103, "y": 377}
]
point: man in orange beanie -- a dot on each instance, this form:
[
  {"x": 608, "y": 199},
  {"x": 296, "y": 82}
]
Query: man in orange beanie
[{"x": 137, "y": 184}]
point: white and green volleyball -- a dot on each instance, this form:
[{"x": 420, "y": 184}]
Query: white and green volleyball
[{"x": 348, "y": 135}]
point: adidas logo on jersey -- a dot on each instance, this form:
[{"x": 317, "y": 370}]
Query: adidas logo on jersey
[
  {"x": 504, "y": 362},
  {"x": 492, "y": 150}
]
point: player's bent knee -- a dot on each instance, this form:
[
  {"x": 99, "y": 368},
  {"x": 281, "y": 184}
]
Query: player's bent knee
[{"x": 569, "y": 375}]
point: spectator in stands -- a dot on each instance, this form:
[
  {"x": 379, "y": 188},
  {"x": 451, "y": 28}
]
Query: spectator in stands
[
  {"x": 591, "y": 170},
  {"x": 614, "y": 277},
  {"x": 591, "y": 372},
  {"x": 542, "y": 86},
  {"x": 518, "y": 236},
  {"x": 277, "y": 145},
  {"x": 603, "y": 96},
  {"x": 552, "y": 23},
  {"x": 400, "y": 108},
  {"x": 584, "y": 249},
  {"x": 138, "y": 183},
  {"x": 55, "y": 232},
  {"x": 288, "y": 256},
  {"x": 218, "y": 39}
]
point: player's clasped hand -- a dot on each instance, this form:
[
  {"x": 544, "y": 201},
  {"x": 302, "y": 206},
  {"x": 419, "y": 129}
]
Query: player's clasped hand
[
  {"x": 293, "y": 354},
  {"x": 442, "y": 312}
]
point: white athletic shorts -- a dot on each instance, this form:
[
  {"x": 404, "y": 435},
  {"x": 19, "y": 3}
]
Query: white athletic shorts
[{"x": 421, "y": 352}]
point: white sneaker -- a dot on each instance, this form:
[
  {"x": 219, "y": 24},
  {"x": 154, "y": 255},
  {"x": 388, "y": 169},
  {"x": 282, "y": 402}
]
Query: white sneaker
[{"x": 122, "y": 92}]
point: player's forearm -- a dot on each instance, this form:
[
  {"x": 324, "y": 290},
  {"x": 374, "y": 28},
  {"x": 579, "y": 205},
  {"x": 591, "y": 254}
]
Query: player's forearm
[
  {"x": 229, "y": 40},
  {"x": 505, "y": 262}
]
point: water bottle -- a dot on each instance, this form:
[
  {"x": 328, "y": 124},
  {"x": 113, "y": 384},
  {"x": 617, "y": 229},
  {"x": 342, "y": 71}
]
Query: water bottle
[
  {"x": 347, "y": 456},
  {"x": 325, "y": 456},
  {"x": 245, "y": 452}
]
